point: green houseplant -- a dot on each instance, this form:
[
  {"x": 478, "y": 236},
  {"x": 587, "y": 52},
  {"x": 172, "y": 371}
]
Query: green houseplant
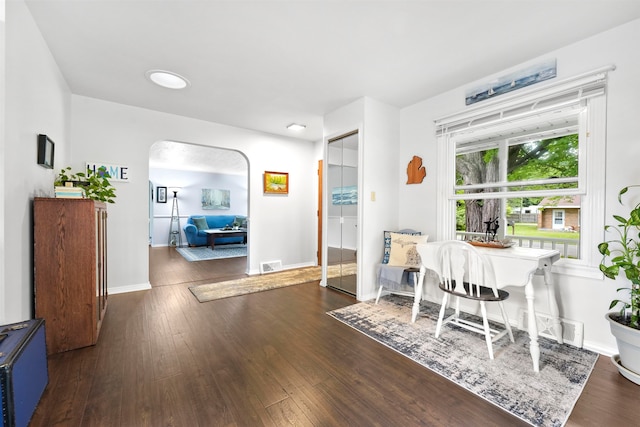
[
  {"x": 96, "y": 184},
  {"x": 622, "y": 254}
]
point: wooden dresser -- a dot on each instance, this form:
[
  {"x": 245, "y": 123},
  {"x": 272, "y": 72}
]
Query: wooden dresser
[{"x": 70, "y": 263}]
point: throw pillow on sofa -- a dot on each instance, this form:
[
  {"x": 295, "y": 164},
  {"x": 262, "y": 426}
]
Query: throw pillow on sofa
[
  {"x": 200, "y": 223},
  {"x": 240, "y": 221}
]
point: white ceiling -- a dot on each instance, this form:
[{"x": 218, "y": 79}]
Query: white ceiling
[
  {"x": 264, "y": 64},
  {"x": 178, "y": 155}
]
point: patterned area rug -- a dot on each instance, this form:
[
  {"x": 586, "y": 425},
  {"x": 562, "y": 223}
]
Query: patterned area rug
[
  {"x": 203, "y": 253},
  {"x": 508, "y": 381},
  {"x": 264, "y": 282}
]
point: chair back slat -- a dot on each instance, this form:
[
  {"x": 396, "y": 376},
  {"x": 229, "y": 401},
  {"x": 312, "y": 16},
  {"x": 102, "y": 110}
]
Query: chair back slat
[{"x": 462, "y": 264}]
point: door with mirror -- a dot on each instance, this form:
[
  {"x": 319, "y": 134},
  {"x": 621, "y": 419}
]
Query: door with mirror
[{"x": 342, "y": 212}]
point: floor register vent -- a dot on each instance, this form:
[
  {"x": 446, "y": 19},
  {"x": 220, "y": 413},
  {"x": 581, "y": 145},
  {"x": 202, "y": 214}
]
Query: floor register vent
[
  {"x": 270, "y": 266},
  {"x": 572, "y": 331}
]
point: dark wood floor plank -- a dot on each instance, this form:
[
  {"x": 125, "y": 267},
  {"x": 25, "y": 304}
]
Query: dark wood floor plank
[
  {"x": 273, "y": 358},
  {"x": 69, "y": 386},
  {"x": 137, "y": 401},
  {"x": 171, "y": 407},
  {"x": 317, "y": 408},
  {"x": 239, "y": 399},
  {"x": 607, "y": 396},
  {"x": 287, "y": 413},
  {"x": 204, "y": 394}
]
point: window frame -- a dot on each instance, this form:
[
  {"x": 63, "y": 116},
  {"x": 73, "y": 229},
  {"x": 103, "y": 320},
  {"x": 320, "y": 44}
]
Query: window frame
[{"x": 591, "y": 174}]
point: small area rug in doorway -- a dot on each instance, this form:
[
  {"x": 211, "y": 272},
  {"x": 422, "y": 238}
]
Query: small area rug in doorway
[
  {"x": 204, "y": 253},
  {"x": 541, "y": 399},
  {"x": 264, "y": 282}
]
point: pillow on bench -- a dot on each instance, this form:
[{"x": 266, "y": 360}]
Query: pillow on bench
[
  {"x": 387, "y": 242},
  {"x": 403, "y": 250}
]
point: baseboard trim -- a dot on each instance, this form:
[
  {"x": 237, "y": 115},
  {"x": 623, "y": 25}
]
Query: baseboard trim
[{"x": 129, "y": 288}]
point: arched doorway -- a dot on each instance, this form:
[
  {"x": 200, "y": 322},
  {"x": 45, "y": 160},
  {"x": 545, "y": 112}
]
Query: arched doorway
[{"x": 193, "y": 171}]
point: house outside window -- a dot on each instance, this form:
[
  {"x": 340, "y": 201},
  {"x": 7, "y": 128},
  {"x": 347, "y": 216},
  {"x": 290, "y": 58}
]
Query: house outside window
[{"x": 541, "y": 145}]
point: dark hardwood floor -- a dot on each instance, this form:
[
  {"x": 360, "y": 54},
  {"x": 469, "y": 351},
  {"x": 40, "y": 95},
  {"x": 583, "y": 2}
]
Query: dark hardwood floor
[{"x": 272, "y": 358}]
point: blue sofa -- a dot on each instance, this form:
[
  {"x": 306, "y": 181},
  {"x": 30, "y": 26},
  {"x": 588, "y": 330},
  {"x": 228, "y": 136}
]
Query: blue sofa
[{"x": 196, "y": 237}]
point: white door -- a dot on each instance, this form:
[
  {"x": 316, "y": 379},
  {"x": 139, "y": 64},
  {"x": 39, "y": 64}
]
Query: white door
[{"x": 558, "y": 219}]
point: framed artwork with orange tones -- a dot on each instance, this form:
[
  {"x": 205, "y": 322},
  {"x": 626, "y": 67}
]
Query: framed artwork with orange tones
[{"x": 276, "y": 182}]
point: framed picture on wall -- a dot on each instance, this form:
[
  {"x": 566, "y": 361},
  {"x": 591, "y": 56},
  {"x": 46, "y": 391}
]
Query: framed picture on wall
[
  {"x": 161, "y": 195},
  {"x": 216, "y": 199},
  {"x": 45, "y": 151},
  {"x": 276, "y": 182}
]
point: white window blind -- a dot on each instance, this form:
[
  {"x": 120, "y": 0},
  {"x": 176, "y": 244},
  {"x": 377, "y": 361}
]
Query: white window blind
[
  {"x": 563, "y": 94},
  {"x": 554, "y": 111}
]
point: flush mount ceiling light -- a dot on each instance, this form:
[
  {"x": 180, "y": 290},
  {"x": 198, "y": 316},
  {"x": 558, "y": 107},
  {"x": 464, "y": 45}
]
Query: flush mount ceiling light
[
  {"x": 296, "y": 127},
  {"x": 167, "y": 79}
]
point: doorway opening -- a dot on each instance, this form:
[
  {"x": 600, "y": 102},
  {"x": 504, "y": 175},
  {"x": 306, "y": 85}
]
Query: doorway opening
[{"x": 194, "y": 173}]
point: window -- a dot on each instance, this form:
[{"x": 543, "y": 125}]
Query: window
[{"x": 541, "y": 150}]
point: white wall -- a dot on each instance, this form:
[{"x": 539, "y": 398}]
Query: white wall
[
  {"x": 581, "y": 299},
  {"x": 37, "y": 101},
  {"x": 2, "y": 156},
  {"x": 280, "y": 227},
  {"x": 191, "y": 184}
]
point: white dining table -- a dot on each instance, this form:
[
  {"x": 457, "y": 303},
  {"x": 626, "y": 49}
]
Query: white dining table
[{"x": 514, "y": 266}]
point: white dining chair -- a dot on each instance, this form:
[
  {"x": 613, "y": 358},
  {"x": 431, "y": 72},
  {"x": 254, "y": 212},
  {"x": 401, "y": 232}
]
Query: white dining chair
[{"x": 465, "y": 273}]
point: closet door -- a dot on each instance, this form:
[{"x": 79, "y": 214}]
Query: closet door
[{"x": 342, "y": 215}]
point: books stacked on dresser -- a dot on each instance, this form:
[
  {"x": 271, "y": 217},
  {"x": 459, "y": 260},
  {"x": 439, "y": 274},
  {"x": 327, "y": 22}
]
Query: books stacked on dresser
[{"x": 70, "y": 192}]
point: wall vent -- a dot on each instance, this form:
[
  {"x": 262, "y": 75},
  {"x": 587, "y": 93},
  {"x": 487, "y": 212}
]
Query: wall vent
[
  {"x": 270, "y": 266},
  {"x": 572, "y": 331}
]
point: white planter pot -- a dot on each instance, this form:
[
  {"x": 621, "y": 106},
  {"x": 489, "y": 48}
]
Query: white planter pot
[{"x": 628, "y": 340}]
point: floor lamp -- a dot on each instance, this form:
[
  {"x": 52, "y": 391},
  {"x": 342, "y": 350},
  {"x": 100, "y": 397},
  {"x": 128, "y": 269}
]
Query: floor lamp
[{"x": 175, "y": 235}]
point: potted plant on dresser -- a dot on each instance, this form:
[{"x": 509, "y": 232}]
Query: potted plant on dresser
[
  {"x": 96, "y": 184},
  {"x": 622, "y": 254}
]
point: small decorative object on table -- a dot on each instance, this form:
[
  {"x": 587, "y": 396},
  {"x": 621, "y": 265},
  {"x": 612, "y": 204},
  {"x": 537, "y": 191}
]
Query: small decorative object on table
[
  {"x": 489, "y": 240},
  {"x": 491, "y": 229},
  {"x": 498, "y": 244}
]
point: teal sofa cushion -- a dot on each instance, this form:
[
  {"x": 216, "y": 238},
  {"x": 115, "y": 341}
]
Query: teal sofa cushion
[{"x": 200, "y": 223}]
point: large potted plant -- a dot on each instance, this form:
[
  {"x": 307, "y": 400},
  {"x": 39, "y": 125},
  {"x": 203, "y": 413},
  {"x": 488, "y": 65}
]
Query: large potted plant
[
  {"x": 96, "y": 184},
  {"x": 622, "y": 255}
]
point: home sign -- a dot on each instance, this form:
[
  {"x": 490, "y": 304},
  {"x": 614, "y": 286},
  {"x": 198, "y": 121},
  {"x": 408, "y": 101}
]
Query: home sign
[{"x": 116, "y": 172}]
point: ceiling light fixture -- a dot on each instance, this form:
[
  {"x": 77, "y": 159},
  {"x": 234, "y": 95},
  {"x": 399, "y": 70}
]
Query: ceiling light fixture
[
  {"x": 296, "y": 127},
  {"x": 167, "y": 79}
]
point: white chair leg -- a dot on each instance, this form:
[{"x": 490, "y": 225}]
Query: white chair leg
[
  {"x": 379, "y": 293},
  {"x": 487, "y": 331},
  {"x": 445, "y": 299},
  {"x": 507, "y": 325}
]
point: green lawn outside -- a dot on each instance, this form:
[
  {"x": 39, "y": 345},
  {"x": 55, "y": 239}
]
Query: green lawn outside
[{"x": 523, "y": 229}]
